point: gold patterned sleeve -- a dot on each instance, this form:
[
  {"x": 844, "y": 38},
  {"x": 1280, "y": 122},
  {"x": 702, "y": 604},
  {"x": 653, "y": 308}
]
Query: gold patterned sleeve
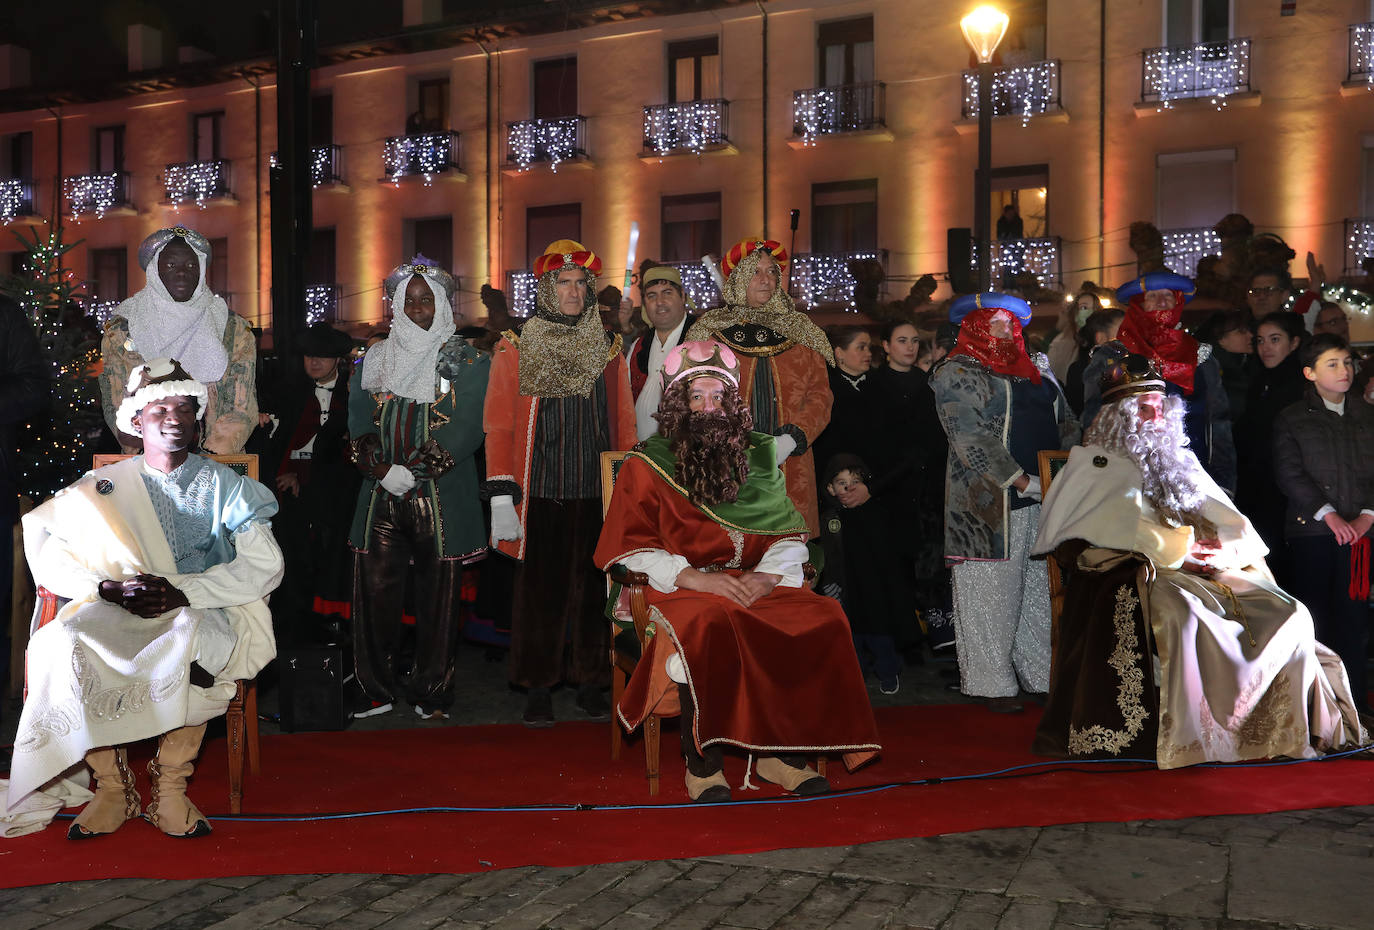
[
  {"x": 233, "y": 409},
  {"x": 117, "y": 361}
]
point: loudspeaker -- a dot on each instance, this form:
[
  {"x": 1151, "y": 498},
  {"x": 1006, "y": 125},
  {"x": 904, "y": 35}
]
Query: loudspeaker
[
  {"x": 959, "y": 259},
  {"x": 310, "y": 688}
]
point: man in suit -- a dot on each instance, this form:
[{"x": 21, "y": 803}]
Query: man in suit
[{"x": 665, "y": 307}]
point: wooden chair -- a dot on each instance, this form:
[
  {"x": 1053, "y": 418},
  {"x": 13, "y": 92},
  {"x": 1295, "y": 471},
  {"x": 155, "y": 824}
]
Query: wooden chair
[
  {"x": 1051, "y": 461},
  {"x": 241, "y": 717}
]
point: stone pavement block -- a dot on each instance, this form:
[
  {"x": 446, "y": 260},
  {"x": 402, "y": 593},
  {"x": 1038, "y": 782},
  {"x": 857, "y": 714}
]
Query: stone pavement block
[
  {"x": 631, "y": 921},
  {"x": 817, "y": 861},
  {"x": 531, "y": 916},
  {"x": 704, "y": 870},
  {"x": 429, "y": 913},
  {"x": 697, "y": 916},
  {"x": 650, "y": 877},
  {"x": 500, "y": 904},
  {"x": 976, "y": 912},
  {"x": 1299, "y": 886},
  {"x": 166, "y": 888},
  {"x": 404, "y": 899},
  {"x": 1135, "y": 922},
  {"x": 23, "y": 919},
  {"x": 766, "y": 907},
  {"x": 156, "y": 913},
  {"x": 873, "y": 908},
  {"x": 986, "y": 860},
  {"x": 364, "y": 919},
  {"x": 92, "y": 893},
  {"x": 1083, "y": 915},
  {"x": 829, "y": 898},
  {"x": 332, "y": 885},
  {"x": 1028, "y": 914},
  {"x": 1191, "y": 923},
  {"x": 326, "y": 912},
  {"x": 1174, "y": 877},
  {"x": 1309, "y": 836},
  {"x": 98, "y": 914},
  {"x": 928, "y": 907},
  {"x": 265, "y": 889},
  {"x": 738, "y": 888},
  {"x": 593, "y": 880},
  {"x": 673, "y": 897},
  {"x": 263, "y": 912},
  {"x": 239, "y": 881}
]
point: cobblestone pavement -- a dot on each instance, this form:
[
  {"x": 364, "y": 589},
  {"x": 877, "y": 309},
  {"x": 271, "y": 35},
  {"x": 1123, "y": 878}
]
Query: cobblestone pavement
[{"x": 1309, "y": 869}]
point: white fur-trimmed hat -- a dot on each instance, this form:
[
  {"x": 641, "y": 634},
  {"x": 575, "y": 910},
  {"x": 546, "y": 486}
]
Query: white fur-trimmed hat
[{"x": 162, "y": 377}]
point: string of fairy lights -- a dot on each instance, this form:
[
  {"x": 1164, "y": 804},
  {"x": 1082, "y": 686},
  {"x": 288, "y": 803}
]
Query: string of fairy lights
[
  {"x": 424, "y": 155},
  {"x": 324, "y": 164},
  {"x": 196, "y": 181},
  {"x": 522, "y": 288},
  {"x": 690, "y": 126},
  {"x": 1362, "y": 53},
  {"x": 823, "y": 111},
  {"x": 94, "y": 194},
  {"x": 1010, "y": 257},
  {"x": 544, "y": 140},
  {"x": 16, "y": 199},
  {"x": 824, "y": 277},
  {"x": 698, "y": 284},
  {"x": 1024, "y": 90},
  {"x": 1184, "y": 248},
  {"x": 1214, "y": 70}
]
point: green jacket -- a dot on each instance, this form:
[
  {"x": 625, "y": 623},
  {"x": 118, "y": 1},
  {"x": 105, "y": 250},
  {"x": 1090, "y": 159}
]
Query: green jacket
[{"x": 385, "y": 428}]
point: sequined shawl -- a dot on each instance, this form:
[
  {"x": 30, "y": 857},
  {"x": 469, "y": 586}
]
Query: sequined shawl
[{"x": 779, "y": 314}]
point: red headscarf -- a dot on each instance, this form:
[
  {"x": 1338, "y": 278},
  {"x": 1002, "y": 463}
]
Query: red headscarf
[
  {"x": 1004, "y": 356},
  {"x": 1153, "y": 335}
]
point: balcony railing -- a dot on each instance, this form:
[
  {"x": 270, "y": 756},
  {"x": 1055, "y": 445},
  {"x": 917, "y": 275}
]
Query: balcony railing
[
  {"x": 1184, "y": 248},
  {"x": 698, "y": 284},
  {"x": 520, "y": 292},
  {"x": 16, "y": 199},
  {"x": 823, "y": 111},
  {"x": 325, "y": 165},
  {"x": 825, "y": 277},
  {"x": 692, "y": 126},
  {"x": 1040, "y": 257},
  {"x": 195, "y": 181},
  {"x": 422, "y": 155},
  {"x": 1361, "y": 53},
  {"x": 1359, "y": 243},
  {"x": 96, "y": 193},
  {"x": 322, "y": 303},
  {"x": 1026, "y": 91},
  {"x": 554, "y": 141},
  {"x": 1215, "y": 70}
]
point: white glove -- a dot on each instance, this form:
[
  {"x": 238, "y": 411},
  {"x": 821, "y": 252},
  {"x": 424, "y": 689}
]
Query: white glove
[
  {"x": 1032, "y": 491},
  {"x": 784, "y": 445},
  {"x": 398, "y": 480},
  {"x": 505, "y": 523}
]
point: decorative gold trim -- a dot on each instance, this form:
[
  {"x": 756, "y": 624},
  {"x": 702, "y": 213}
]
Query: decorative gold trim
[{"x": 1131, "y": 685}]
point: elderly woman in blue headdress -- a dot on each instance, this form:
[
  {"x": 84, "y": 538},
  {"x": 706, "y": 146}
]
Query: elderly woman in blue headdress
[
  {"x": 999, "y": 408},
  {"x": 177, "y": 316},
  {"x": 416, "y": 426}
]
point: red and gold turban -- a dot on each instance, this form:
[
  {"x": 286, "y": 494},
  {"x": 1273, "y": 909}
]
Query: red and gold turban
[
  {"x": 748, "y": 246},
  {"x": 567, "y": 252}
]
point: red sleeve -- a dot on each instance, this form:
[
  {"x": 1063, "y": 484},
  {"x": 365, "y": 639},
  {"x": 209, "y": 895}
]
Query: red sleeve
[
  {"x": 498, "y": 412},
  {"x": 631, "y": 523},
  {"x": 622, "y": 404}
]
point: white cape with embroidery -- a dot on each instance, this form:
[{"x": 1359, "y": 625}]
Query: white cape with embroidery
[
  {"x": 1240, "y": 672},
  {"x": 97, "y": 674}
]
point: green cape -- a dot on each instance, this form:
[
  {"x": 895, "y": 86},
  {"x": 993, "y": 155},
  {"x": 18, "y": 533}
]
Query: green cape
[{"x": 763, "y": 506}]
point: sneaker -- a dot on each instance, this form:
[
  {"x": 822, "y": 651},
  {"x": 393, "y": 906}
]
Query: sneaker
[
  {"x": 889, "y": 685},
  {"x": 375, "y": 710},
  {"x": 593, "y": 703},
  {"x": 538, "y": 709},
  {"x": 436, "y": 714}
]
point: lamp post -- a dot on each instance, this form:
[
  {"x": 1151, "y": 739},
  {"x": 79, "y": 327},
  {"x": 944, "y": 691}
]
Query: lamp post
[{"x": 983, "y": 30}]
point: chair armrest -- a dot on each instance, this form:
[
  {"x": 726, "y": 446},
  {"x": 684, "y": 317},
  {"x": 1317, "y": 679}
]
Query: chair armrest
[{"x": 631, "y": 579}]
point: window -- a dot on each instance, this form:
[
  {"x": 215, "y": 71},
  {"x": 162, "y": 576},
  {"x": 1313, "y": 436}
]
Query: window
[
  {"x": 1367, "y": 176},
  {"x": 844, "y": 216},
  {"x": 431, "y": 237},
  {"x": 694, "y": 70},
  {"x": 555, "y": 88},
  {"x": 217, "y": 272},
  {"x": 691, "y": 227},
  {"x": 1025, "y": 39},
  {"x": 18, "y": 156},
  {"x": 845, "y": 52},
  {"x": 431, "y": 107},
  {"x": 549, "y": 224},
  {"x": 1188, "y": 22},
  {"x": 109, "y": 274},
  {"x": 109, "y": 150},
  {"x": 322, "y": 120},
  {"x": 1194, "y": 189},
  {"x": 1025, "y": 188},
  {"x": 322, "y": 251},
  {"x": 207, "y": 134}
]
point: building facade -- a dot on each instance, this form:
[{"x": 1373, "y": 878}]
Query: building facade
[{"x": 707, "y": 125}]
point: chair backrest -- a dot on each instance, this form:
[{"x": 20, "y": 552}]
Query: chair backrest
[
  {"x": 243, "y": 463},
  {"x": 1051, "y": 462},
  {"x": 610, "y": 468}
]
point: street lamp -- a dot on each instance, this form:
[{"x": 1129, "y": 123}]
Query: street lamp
[{"x": 983, "y": 30}]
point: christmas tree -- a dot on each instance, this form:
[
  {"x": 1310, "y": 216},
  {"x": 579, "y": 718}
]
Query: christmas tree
[{"x": 55, "y": 449}]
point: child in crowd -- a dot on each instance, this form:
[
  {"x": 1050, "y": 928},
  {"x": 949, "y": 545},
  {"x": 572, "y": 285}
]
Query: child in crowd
[
  {"x": 1324, "y": 464},
  {"x": 865, "y": 569}
]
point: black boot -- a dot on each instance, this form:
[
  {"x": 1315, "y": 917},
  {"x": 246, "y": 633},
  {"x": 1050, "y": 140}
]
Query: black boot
[{"x": 705, "y": 770}]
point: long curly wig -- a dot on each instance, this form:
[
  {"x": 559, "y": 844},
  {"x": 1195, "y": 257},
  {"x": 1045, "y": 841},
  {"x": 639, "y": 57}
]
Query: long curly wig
[{"x": 712, "y": 449}]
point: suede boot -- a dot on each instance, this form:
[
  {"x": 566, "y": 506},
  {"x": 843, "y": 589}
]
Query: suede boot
[
  {"x": 171, "y": 811},
  {"x": 705, "y": 771},
  {"x": 116, "y": 799},
  {"x": 792, "y": 773}
]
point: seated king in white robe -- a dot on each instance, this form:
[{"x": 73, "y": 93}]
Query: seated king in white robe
[
  {"x": 165, "y": 560},
  {"x": 1174, "y": 639}
]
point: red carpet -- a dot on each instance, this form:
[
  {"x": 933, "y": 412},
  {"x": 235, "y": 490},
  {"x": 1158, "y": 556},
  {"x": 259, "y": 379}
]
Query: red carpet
[{"x": 321, "y": 773}]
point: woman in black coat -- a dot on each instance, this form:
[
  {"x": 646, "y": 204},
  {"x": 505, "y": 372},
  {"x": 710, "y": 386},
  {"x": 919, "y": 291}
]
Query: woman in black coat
[{"x": 851, "y": 424}]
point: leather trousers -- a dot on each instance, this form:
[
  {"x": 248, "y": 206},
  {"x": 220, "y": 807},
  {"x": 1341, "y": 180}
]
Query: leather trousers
[{"x": 402, "y": 534}]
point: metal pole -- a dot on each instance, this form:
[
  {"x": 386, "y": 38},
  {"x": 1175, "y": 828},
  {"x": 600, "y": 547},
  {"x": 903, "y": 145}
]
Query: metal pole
[
  {"x": 291, "y": 187},
  {"x": 982, "y": 184}
]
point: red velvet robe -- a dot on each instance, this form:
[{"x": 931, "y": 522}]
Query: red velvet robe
[{"x": 778, "y": 676}]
